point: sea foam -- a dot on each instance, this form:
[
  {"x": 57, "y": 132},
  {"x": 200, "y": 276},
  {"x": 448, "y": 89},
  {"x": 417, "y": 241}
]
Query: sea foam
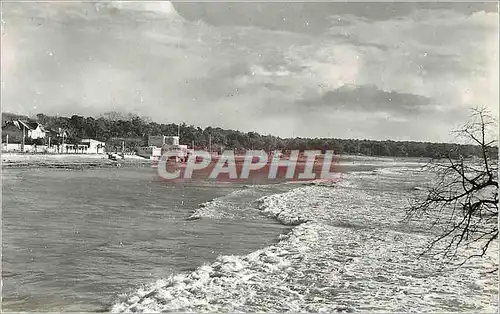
[{"x": 348, "y": 252}]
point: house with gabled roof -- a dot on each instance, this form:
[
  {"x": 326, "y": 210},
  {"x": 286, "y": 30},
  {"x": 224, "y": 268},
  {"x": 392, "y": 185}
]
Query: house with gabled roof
[
  {"x": 62, "y": 133},
  {"x": 15, "y": 130}
]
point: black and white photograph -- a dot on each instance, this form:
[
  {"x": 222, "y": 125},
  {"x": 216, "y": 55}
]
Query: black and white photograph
[{"x": 249, "y": 156}]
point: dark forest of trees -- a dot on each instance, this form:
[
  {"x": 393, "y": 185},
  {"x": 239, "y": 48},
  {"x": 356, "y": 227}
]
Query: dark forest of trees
[{"x": 114, "y": 127}]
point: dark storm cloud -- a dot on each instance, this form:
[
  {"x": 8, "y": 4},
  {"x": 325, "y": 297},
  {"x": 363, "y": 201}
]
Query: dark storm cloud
[
  {"x": 367, "y": 98},
  {"x": 310, "y": 17}
]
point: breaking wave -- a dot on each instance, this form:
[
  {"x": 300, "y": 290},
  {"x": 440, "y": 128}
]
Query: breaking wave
[
  {"x": 239, "y": 204},
  {"x": 349, "y": 251}
]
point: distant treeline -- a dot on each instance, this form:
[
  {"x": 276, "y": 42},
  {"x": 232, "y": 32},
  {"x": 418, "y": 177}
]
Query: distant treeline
[{"x": 115, "y": 128}]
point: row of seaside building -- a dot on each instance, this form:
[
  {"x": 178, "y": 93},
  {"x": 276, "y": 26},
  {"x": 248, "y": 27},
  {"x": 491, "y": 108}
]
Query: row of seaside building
[{"x": 31, "y": 136}]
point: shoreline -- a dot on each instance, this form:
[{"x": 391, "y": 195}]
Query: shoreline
[
  {"x": 16, "y": 160},
  {"x": 48, "y": 159}
]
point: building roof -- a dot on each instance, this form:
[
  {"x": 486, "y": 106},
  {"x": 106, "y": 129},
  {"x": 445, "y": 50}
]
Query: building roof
[
  {"x": 30, "y": 125},
  {"x": 90, "y": 140},
  {"x": 59, "y": 132}
]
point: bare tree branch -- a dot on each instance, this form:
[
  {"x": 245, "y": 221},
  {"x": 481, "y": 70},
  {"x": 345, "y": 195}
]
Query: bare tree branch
[{"x": 463, "y": 202}]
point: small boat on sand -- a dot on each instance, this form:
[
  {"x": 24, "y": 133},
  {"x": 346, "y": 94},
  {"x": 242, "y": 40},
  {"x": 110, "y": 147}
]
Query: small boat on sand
[{"x": 115, "y": 156}]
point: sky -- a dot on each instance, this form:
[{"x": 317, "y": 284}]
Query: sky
[{"x": 400, "y": 71}]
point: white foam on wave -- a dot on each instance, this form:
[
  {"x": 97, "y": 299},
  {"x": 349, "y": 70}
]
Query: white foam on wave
[
  {"x": 222, "y": 207},
  {"x": 238, "y": 204},
  {"x": 350, "y": 252},
  {"x": 399, "y": 170},
  {"x": 320, "y": 268},
  {"x": 360, "y": 198},
  {"x": 165, "y": 8}
]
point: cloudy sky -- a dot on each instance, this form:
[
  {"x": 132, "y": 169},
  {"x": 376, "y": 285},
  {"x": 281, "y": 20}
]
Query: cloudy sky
[{"x": 405, "y": 71}]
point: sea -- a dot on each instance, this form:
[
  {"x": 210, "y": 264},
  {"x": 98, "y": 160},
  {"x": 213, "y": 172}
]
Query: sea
[{"x": 117, "y": 239}]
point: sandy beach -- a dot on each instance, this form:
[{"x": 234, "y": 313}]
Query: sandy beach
[{"x": 67, "y": 160}]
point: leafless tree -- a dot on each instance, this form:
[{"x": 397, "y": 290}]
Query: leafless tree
[{"x": 462, "y": 204}]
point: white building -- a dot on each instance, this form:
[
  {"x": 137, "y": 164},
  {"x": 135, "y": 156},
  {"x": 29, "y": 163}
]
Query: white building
[
  {"x": 171, "y": 140},
  {"x": 93, "y": 146},
  {"x": 28, "y": 129}
]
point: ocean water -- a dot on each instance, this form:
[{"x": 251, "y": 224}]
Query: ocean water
[
  {"x": 114, "y": 239},
  {"x": 75, "y": 239},
  {"x": 349, "y": 250}
]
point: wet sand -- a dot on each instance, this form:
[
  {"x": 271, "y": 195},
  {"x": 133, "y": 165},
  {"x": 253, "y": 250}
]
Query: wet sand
[{"x": 11, "y": 160}]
